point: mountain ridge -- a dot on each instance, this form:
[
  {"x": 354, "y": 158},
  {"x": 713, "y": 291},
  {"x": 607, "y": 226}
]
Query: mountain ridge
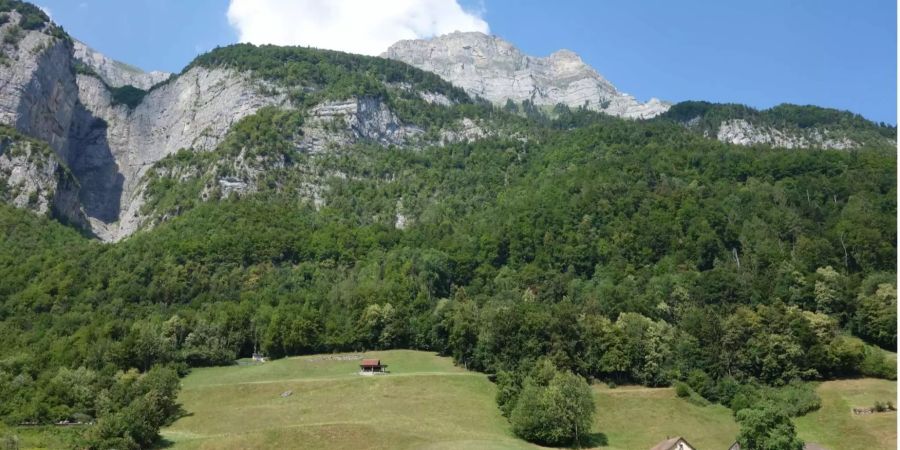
[{"x": 490, "y": 67}]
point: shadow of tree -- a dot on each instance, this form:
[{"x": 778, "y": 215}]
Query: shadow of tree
[{"x": 594, "y": 440}]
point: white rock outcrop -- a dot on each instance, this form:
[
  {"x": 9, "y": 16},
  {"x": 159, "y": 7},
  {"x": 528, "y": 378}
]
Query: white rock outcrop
[
  {"x": 334, "y": 124},
  {"x": 116, "y": 73},
  {"x": 32, "y": 177},
  {"x": 742, "y": 132},
  {"x": 494, "y": 69},
  {"x": 28, "y": 178}
]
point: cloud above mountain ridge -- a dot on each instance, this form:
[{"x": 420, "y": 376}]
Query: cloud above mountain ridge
[{"x": 358, "y": 26}]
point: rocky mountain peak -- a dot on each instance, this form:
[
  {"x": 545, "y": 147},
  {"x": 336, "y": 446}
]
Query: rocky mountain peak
[
  {"x": 116, "y": 73},
  {"x": 492, "y": 68}
]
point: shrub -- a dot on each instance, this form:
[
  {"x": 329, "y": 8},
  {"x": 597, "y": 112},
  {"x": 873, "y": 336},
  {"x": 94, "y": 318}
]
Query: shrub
[
  {"x": 13, "y": 35},
  {"x": 875, "y": 364},
  {"x": 682, "y": 389},
  {"x": 793, "y": 399},
  {"x": 129, "y": 96}
]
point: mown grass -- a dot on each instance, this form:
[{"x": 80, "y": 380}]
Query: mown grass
[
  {"x": 835, "y": 426},
  {"x": 638, "y": 418},
  {"x": 632, "y": 418},
  {"x": 425, "y": 402}
]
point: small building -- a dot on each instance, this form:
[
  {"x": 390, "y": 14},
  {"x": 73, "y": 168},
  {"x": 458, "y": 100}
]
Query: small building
[
  {"x": 371, "y": 367},
  {"x": 675, "y": 443}
]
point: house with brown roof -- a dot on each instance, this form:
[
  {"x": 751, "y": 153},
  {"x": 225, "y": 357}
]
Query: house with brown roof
[
  {"x": 372, "y": 367},
  {"x": 675, "y": 443}
]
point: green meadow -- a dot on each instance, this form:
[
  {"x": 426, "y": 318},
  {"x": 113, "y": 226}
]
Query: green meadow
[{"x": 426, "y": 402}]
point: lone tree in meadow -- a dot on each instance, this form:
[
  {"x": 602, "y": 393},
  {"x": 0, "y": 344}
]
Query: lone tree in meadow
[
  {"x": 767, "y": 428},
  {"x": 556, "y": 410}
]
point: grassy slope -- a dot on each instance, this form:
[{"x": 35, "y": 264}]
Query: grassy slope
[
  {"x": 835, "y": 426},
  {"x": 425, "y": 402},
  {"x": 639, "y": 418}
]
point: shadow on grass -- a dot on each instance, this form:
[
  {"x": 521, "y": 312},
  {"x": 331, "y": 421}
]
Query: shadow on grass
[
  {"x": 594, "y": 440},
  {"x": 163, "y": 443}
]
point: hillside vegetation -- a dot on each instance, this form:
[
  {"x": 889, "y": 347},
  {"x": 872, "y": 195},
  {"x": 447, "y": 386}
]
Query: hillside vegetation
[
  {"x": 707, "y": 117},
  {"x": 623, "y": 251}
]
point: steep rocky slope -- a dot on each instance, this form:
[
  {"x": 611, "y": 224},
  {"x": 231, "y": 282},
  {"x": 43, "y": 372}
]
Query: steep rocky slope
[
  {"x": 32, "y": 176},
  {"x": 110, "y": 145},
  {"x": 37, "y": 90},
  {"x": 490, "y": 67},
  {"x": 117, "y": 144}
]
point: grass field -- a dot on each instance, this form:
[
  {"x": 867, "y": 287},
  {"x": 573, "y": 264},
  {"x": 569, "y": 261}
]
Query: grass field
[
  {"x": 835, "y": 426},
  {"x": 426, "y": 402},
  {"x": 638, "y": 418}
]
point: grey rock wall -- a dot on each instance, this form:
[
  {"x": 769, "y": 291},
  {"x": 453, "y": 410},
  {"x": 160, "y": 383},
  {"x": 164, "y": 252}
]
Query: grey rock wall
[
  {"x": 494, "y": 69},
  {"x": 742, "y": 132},
  {"x": 120, "y": 144},
  {"x": 37, "y": 89}
]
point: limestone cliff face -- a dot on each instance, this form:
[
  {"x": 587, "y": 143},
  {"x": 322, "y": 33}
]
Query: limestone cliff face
[
  {"x": 106, "y": 149},
  {"x": 492, "y": 68},
  {"x": 118, "y": 144},
  {"x": 107, "y": 146},
  {"x": 743, "y": 132},
  {"x": 28, "y": 176},
  {"x": 38, "y": 97},
  {"x": 116, "y": 73},
  {"x": 32, "y": 176},
  {"x": 37, "y": 89},
  {"x": 334, "y": 124}
]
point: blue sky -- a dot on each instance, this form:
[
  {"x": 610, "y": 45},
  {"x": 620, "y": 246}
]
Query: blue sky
[{"x": 831, "y": 53}]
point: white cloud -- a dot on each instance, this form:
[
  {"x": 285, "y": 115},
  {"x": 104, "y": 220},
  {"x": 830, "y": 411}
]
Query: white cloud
[{"x": 358, "y": 26}]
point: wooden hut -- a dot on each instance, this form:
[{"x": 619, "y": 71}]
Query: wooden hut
[{"x": 371, "y": 367}]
